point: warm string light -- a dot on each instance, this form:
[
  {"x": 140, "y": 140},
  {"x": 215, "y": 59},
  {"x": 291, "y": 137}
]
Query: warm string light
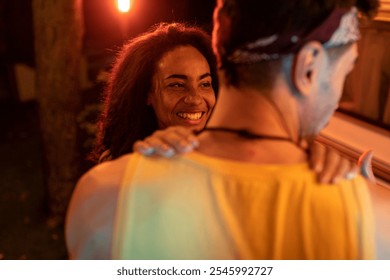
[{"x": 123, "y": 5}]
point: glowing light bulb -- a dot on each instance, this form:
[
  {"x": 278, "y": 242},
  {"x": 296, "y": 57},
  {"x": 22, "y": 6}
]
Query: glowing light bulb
[{"x": 123, "y": 5}]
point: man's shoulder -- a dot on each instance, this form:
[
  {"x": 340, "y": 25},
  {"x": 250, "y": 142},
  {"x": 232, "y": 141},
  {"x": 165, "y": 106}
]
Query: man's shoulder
[
  {"x": 113, "y": 167},
  {"x": 91, "y": 211},
  {"x": 107, "y": 174},
  {"x": 101, "y": 183}
]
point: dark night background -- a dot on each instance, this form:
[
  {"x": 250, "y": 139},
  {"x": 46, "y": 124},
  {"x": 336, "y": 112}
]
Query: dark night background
[{"x": 24, "y": 230}]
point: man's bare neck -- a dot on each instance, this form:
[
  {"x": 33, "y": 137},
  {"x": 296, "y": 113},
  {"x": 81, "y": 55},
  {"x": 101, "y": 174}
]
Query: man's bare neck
[{"x": 248, "y": 110}]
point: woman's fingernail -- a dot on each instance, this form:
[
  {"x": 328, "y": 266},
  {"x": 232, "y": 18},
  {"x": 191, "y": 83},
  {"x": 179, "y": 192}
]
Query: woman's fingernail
[
  {"x": 186, "y": 149},
  {"x": 147, "y": 151},
  {"x": 169, "y": 152},
  {"x": 195, "y": 143},
  {"x": 350, "y": 175}
]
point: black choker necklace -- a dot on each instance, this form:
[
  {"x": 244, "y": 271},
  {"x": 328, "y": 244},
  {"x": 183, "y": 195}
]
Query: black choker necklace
[{"x": 249, "y": 135}]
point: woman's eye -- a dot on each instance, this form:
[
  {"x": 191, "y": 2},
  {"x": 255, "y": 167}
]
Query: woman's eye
[
  {"x": 176, "y": 85},
  {"x": 206, "y": 85}
]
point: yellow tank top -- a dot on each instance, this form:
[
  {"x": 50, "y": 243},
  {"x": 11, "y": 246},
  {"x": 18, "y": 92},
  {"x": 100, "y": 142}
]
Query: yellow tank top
[{"x": 199, "y": 207}]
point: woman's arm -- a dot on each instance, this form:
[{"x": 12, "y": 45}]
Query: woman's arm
[{"x": 327, "y": 163}]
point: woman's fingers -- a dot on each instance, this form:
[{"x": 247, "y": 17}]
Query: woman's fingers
[
  {"x": 159, "y": 147},
  {"x": 142, "y": 147},
  {"x": 182, "y": 139},
  {"x": 345, "y": 170},
  {"x": 168, "y": 142},
  {"x": 329, "y": 165},
  {"x": 317, "y": 157}
]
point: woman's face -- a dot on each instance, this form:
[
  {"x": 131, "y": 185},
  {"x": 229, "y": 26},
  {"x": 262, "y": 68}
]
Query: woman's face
[{"x": 182, "y": 92}]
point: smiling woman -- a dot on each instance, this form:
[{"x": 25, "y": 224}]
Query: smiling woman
[
  {"x": 182, "y": 92},
  {"x": 164, "y": 77}
]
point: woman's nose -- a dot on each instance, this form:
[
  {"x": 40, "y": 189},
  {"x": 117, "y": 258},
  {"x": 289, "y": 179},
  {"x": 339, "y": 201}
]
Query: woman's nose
[{"x": 193, "y": 97}]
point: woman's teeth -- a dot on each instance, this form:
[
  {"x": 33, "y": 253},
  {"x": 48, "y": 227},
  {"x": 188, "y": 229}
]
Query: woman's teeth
[{"x": 190, "y": 116}]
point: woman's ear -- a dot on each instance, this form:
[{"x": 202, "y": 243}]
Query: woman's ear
[{"x": 306, "y": 67}]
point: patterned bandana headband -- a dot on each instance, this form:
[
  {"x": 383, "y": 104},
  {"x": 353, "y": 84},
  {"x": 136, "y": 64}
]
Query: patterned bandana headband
[{"x": 339, "y": 28}]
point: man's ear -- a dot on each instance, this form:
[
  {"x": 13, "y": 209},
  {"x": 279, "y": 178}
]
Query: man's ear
[{"x": 305, "y": 67}]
